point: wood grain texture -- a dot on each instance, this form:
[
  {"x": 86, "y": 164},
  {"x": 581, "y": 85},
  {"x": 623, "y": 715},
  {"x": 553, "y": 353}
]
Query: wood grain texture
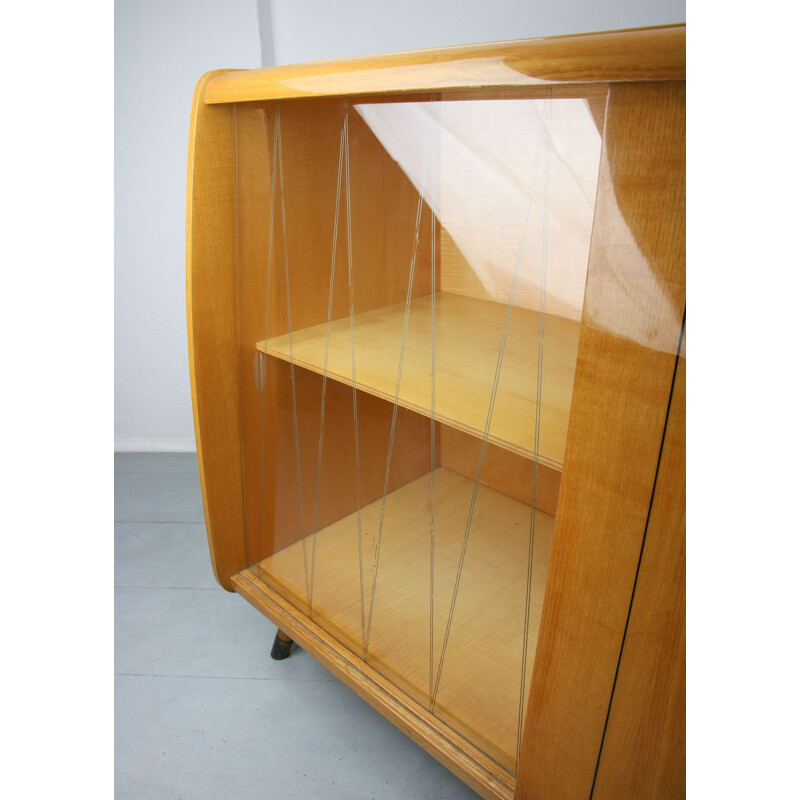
[
  {"x": 458, "y": 754},
  {"x": 212, "y": 322},
  {"x": 468, "y": 342},
  {"x": 622, "y": 388},
  {"x": 632, "y": 55},
  {"x": 254, "y": 176},
  {"x": 479, "y": 692},
  {"x": 504, "y": 471},
  {"x": 329, "y": 489},
  {"x": 644, "y": 750}
]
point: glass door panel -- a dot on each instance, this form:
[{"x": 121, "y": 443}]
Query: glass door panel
[{"x": 419, "y": 296}]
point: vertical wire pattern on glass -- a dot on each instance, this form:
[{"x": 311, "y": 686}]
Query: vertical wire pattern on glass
[
  {"x": 538, "y": 417},
  {"x": 396, "y": 395},
  {"x": 351, "y": 299},
  {"x": 262, "y": 356},
  {"x": 291, "y": 355},
  {"x": 325, "y": 372},
  {"x": 435, "y": 509},
  {"x": 489, "y": 413}
]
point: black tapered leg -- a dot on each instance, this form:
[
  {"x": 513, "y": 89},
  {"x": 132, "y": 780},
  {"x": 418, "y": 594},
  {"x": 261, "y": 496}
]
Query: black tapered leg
[{"x": 282, "y": 646}]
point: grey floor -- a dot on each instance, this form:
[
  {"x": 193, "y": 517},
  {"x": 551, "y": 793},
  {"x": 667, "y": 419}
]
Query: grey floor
[{"x": 201, "y": 711}]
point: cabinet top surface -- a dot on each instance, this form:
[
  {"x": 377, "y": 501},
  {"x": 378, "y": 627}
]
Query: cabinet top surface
[{"x": 642, "y": 54}]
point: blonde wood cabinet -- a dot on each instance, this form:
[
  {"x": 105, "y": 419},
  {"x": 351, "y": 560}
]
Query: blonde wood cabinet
[{"x": 436, "y": 312}]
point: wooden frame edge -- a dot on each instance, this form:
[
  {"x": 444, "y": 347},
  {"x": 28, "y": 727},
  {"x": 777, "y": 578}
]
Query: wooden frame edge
[
  {"x": 214, "y": 393},
  {"x": 641, "y": 54}
]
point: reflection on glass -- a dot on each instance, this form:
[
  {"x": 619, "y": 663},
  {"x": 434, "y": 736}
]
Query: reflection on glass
[
  {"x": 425, "y": 291},
  {"x": 487, "y": 173}
]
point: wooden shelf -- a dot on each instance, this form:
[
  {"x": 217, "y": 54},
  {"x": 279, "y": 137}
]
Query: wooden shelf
[
  {"x": 479, "y": 691},
  {"x": 468, "y": 339}
]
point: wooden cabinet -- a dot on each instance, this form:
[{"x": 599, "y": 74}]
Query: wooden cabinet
[{"x": 436, "y": 308}]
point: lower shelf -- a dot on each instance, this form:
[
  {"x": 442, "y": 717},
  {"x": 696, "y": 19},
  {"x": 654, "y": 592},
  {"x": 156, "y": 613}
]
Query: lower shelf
[{"x": 477, "y": 684}]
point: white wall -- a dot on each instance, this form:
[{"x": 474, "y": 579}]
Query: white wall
[
  {"x": 314, "y": 30},
  {"x": 161, "y": 48}
]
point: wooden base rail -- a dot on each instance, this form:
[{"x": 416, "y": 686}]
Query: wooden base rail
[{"x": 455, "y": 752}]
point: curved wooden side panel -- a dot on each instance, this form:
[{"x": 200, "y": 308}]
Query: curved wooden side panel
[
  {"x": 630, "y": 337},
  {"x": 212, "y": 321},
  {"x": 644, "y": 54}
]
